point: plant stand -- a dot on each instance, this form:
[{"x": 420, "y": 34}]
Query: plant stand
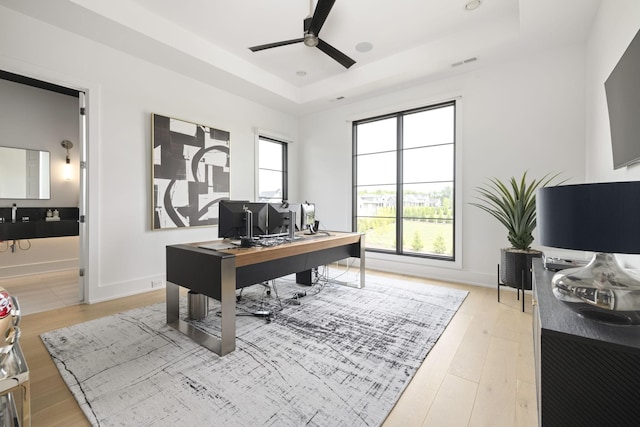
[{"x": 518, "y": 289}]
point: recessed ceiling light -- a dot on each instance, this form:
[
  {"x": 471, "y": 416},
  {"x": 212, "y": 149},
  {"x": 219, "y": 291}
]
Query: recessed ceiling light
[
  {"x": 472, "y": 5},
  {"x": 301, "y": 73},
  {"x": 364, "y": 47}
]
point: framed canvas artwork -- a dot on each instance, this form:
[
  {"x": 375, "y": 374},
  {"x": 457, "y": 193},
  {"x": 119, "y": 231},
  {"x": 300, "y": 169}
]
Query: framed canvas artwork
[{"x": 190, "y": 168}]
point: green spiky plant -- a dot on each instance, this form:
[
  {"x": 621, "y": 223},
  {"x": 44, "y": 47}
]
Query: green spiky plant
[{"x": 513, "y": 203}]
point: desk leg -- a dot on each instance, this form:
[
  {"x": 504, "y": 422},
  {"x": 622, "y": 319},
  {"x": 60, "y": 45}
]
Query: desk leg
[
  {"x": 362, "y": 264},
  {"x": 228, "y": 306},
  {"x": 227, "y": 341},
  {"x": 362, "y": 268},
  {"x": 172, "y": 292}
]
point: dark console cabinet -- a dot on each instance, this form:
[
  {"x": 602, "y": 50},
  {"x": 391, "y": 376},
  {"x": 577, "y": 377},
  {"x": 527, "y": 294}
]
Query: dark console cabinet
[{"x": 587, "y": 373}]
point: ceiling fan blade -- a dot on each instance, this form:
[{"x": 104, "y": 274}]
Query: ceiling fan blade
[
  {"x": 276, "y": 44},
  {"x": 335, "y": 54},
  {"x": 320, "y": 15}
]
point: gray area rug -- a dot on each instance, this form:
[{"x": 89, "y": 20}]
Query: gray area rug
[{"x": 342, "y": 357}]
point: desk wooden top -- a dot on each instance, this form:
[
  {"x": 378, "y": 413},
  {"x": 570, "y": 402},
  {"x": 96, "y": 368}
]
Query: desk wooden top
[{"x": 309, "y": 243}]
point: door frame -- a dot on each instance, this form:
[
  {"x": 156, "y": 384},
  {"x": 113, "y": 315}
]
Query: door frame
[{"x": 89, "y": 93}]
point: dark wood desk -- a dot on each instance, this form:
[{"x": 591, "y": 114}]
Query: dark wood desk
[{"x": 218, "y": 273}]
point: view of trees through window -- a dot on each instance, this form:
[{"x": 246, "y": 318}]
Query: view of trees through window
[{"x": 404, "y": 181}]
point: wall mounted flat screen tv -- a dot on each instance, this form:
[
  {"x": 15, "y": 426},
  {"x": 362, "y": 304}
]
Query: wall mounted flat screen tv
[{"x": 623, "y": 101}]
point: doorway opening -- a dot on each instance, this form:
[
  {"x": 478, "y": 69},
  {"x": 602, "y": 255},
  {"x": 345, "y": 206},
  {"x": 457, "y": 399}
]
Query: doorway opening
[{"x": 47, "y": 273}]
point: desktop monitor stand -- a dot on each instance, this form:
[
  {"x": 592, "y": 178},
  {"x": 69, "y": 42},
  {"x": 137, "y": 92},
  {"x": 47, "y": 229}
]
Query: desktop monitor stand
[
  {"x": 313, "y": 228},
  {"x": 247, "y": 241},
  {"x": 292, "y": 225}
]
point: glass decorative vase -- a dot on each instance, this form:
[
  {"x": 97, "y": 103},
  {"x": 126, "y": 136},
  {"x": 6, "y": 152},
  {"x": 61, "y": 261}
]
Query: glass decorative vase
[{"x": 602, "y": 290}]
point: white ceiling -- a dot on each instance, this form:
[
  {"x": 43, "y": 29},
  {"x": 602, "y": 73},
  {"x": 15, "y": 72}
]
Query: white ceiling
[{"x": 413, "y": 40}]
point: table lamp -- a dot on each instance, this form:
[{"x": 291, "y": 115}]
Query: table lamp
[{"x": 603, "y": 218}]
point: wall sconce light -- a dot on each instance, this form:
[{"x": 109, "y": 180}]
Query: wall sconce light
[{"x": 67, "y": 167}]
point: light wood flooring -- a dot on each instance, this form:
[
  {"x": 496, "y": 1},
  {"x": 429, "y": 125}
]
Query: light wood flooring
[
  {"x": 479, "y": 373},
  {"x": 43, "y": 292}
]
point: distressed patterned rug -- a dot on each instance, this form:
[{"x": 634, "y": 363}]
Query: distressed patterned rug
[{"x": 335, "y": 356}]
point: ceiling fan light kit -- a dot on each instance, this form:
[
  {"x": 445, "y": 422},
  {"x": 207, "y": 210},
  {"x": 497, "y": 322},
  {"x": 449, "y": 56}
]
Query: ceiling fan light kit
[
  {"x": 310, "y": 40},
  {"x": 312, "y": 26},
  {"x": 472, "y": 5}
]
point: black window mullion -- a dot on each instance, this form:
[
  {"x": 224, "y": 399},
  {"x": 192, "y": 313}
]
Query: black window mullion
[
  {"x": 399, "y": 185},
  {"x": 354, "y": 175},
  {"x": 285, "y": 171},
  {"x": 453, "y": 190}
]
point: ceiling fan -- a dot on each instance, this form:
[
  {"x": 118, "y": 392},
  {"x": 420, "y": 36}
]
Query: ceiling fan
[{"x": 312, "y": 26}]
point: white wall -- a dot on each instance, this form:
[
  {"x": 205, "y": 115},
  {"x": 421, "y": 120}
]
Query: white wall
[
  {"x": 40, "y": 119},
  {"x": 125, "y": 256},
  {"x": 615, "y": 26},
  {"x": 527, "y": 114}
]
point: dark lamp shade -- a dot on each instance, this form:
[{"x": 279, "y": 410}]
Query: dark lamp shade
[{"x": 600, "y": 217}]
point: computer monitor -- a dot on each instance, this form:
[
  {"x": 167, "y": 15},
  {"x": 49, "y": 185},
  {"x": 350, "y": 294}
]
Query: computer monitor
[
  {"x": 279, "y": 219},
  {"x": 308, "y": 217},
  {"x": 232, "y": 218},
  {"x": 260, "y": 213}
]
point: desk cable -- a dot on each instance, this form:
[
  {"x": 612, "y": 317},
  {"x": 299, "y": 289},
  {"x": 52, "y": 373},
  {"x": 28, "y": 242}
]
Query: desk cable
[{"x": 263, "y": 307}]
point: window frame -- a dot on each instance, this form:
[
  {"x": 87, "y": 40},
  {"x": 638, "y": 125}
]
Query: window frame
[
  {"x": 452, "y": 260},
  {"x": 285, "y": 165}
]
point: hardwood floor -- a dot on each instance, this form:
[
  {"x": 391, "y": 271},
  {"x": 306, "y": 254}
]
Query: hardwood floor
[
  {"x": 479, "y": 373},
  {"x": 481, "y": 370},
  {"x": 43, "y": 292}
]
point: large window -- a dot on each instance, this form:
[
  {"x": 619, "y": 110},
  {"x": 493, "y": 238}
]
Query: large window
[
  {"x": 404, "y": 169},
  {"x": 272, "y": 170}
]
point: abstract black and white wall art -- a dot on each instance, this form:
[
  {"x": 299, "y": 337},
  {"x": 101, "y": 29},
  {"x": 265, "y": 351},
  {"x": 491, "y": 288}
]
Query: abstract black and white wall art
[{"x": 190, "y": 172}]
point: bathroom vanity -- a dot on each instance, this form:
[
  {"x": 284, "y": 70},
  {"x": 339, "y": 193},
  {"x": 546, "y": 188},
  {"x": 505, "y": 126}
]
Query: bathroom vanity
[{"x": 33, "y": 223}]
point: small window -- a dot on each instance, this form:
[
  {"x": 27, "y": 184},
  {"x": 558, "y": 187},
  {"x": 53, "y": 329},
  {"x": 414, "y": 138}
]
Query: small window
[{"x": 272, "y": 170}]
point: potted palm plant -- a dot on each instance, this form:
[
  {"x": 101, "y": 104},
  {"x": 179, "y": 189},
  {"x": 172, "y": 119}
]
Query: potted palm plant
[{"x": 513, "y": 203}]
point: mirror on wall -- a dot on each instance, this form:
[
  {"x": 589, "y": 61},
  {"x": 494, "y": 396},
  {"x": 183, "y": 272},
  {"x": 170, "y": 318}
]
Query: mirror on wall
[{"x": 24, "y": 174}]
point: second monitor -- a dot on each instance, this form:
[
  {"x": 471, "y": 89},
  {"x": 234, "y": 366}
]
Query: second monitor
[
  {"x": 279, "y": 219},
  {"x": 232, "y": 219},
  {"x": 308, "y": 217},
  {"x": 305, "y": 214}
]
